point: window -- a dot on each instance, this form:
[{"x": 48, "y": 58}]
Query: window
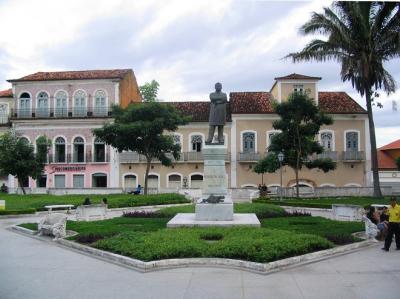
[
  {"x": 196, "y": 181},
  {"x": 59, "y": 150},
  {"x": 78, "y": 181},
  {"x": 3, "y": 113},
  {"x": 197, "y": 142},
  {"x": 100, "y": 103},
  {"x": 99, "y": 151},
  {"x": 130, "y": 181},
  {"x": 61, "y": 106},
  {"x": 42, "y": 105},
  {"x": 249, "y": 142},
  {"x": 152, "y": 181},
  {"x": 99, "y": 180},
  {"x": 270, "y": 136},
  {"x": 327, "y": 141},
  {"x": 174, "y": 181},
  {"x": 298, "y": 88},
  {"x": 25, "y": 105},
  {"x": 42, "y": 181},
  {"x": 177, "y": 139},
  {"x": 79, "y": 150},
  {"x": 80, "y": 103},
  {"x": 59, "y": 181},
  {"x": 351, "y": 141},
  {"x": 25, "y": 181}
]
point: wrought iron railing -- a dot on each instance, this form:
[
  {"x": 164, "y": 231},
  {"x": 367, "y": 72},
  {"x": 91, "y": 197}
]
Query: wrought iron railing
[{"x": 73, "y": 112}]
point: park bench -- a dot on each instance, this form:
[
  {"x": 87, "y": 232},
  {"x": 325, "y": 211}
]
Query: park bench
[
  {"x": 50, "y": 208},
  {"x": 53, "y": 224}
]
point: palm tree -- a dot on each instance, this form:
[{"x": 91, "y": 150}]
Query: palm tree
[{"x": 362, "y": 36}]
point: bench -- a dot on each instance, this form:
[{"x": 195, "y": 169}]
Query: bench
[
  {"x": 53, "y": 224},
  {"x": 371, "y": 230},
  {"x": 51, "y": 207}
]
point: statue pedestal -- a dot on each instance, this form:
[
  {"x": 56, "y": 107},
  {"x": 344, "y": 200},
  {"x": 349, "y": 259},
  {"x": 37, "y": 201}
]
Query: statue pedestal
[{"x": 214, "y": 183}]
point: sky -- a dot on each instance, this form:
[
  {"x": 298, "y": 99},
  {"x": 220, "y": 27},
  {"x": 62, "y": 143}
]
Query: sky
[{"x": 186, "y": 45}]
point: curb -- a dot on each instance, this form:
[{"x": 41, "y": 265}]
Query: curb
[{"x": 261, "y": 268}]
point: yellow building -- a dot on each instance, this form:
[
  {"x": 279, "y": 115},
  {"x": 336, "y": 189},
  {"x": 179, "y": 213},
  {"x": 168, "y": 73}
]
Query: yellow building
[{"x": 247, "y": 135}]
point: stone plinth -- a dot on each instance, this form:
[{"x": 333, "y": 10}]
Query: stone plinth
[
  {"x": 214, "y": 212},
  {"x": 214, "y": 178},
  {"x": 189, "y": 220}
]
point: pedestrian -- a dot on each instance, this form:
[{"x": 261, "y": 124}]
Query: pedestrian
[{"x": 394, "y": 224}]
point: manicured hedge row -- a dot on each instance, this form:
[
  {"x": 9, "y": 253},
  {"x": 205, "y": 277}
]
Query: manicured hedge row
[{"x": 18, "y": 212}]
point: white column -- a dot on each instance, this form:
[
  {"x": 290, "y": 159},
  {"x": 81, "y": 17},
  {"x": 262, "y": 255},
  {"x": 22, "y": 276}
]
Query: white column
[
  {"x": 233, "y": 154},
  {"x": 116, "y": 94},
  {"x": 114, "y": 168}
]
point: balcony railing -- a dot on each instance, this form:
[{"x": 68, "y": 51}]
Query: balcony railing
[
  {"x": 74, "y": 112},
  {"x": 71, "y": 159},
  {"x": 353, "y": 156},
  {"x": 133, "y": 157},
  {"x": 325, "y": 155},
  {"x": 249, "y": 157}
]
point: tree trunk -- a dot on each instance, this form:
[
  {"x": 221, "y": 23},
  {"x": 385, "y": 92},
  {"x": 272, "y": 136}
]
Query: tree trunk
[
  {"x": 374, "y": 155},
  {"x": 147, "y": 174},
  {"x": 21, "y": 185}
]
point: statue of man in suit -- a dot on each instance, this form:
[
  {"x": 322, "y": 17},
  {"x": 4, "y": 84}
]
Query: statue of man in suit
[{"x": 217, "y": 114}]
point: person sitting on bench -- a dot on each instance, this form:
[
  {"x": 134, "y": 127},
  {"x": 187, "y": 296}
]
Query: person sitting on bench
[{"x": 138, "y": 190}]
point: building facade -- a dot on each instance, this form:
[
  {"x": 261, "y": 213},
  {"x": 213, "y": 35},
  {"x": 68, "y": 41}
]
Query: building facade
[
  {"x": 66, "y": 107},
  {"x": 389, "y": 172}
]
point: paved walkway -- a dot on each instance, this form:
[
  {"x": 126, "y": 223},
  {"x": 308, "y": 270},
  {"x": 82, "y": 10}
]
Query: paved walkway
[{"x": 31, "y": 268}]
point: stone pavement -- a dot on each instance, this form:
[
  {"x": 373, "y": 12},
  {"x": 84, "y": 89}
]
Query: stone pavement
[{"x": 31, "y": 268}]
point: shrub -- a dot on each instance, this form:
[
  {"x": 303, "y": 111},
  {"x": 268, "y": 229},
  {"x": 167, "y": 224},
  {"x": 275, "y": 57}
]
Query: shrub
[
  {"x": 140, "y": 214},
  {"x": 18, "y": 212},
  {"x": 342, "y": 239},
  {"x": 87, "y": 201},
  {"x": 89, "y": 238}
]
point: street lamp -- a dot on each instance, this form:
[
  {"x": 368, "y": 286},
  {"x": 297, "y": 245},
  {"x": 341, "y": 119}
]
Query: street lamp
[{"x": 281, "y": 156}]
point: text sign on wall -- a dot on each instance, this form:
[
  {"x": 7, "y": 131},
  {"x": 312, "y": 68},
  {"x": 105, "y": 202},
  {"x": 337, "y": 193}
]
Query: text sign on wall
[{"x": 69, "y": 168}]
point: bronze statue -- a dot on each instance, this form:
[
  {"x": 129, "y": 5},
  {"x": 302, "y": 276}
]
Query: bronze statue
[{"x": 217, "y": 114}]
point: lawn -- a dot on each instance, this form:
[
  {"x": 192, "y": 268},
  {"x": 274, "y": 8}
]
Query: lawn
[
  {"x": 325, "y": 203},
  {"x": 279, "y": 237},
  {"x": 38, "y": 201}
]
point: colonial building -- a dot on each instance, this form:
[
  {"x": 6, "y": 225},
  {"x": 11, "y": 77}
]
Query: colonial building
[
  {"x": 389, "y": 172},
  {"x": 248, "y": 133},
  {"x": 66, "y": 107},
  {"x": 6, "y": 104}
]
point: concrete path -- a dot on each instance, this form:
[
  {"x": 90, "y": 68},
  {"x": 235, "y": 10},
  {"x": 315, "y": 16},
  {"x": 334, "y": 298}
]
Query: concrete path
[{"x": 31, "y": 268}]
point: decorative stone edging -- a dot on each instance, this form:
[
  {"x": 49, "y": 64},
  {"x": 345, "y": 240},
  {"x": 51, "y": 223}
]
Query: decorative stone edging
[{"x": 263, "y": 268}]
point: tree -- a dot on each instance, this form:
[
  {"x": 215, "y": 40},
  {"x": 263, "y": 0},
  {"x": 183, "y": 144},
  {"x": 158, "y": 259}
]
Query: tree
[
  {"x": 149, "y": 91},
  {"x": 398, "y": 163},
  {"x": 361, "y": 36},
  {"x": 17, "y": 157},
  {"x": 141, "y": 128},
  {"x": 269, "y": 164},
  {"x": 300, "y": 120}
]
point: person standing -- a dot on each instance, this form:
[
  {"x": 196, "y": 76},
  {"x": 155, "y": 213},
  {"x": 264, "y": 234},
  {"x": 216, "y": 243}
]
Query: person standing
[{"x": 394, "y": 225}]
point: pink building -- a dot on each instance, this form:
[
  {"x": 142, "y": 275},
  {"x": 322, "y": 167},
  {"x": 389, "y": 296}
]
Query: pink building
[{"x": 66, "y": 107}]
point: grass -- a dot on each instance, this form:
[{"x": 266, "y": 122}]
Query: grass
[
  {"x": 325, "y": 203},
  {"x": 260, "y": 209},
  {"x": 39, "y": 201}
]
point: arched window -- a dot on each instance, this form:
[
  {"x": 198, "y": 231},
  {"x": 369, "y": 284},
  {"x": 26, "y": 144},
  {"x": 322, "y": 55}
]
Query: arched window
[
  {"x": 79, "y": 150},
  {"x": 174, "y": 181},
  {"x": 249, "y": 142},
  {"x": 99, "y": 180},
  {"x": 42, "y": 105},
  {"x": 61, "y": 104},
  {"x": 80, "y": 107},
  {"x": 100, "y": 103},
  {"x": 152, "y": 183},
  {"x": 327, "y": 140},
  {"x": 130, "y": 181},
  {"x": 25, "y": 105},
  {"x": 59, "y": 150},
  {"x": 196, "y": 181},
  {"x": 99, "y": 150},
  {"x": 197, "y": 142},
  {"x": 3, "y": 113}
]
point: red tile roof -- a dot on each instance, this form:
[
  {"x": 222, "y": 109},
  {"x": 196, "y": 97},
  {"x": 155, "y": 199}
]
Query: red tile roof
[
  {"x": 391, "y": 146},
  {"x": 199, "y": 111},
  {"x": 338, "y": 102},
  {"x": 6, "y": 93},
  {"x": 385, "y": 161},
  {"x": 295, "y": 76},
  {"x": 75, "y": 75},
  {"x": 251, "y": 102}
]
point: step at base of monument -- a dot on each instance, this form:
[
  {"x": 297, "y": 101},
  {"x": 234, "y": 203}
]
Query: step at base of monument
[{"x": 189, "y": 220}]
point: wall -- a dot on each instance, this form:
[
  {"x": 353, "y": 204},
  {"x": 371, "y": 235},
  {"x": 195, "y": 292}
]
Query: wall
[
  {"x": 287, "y": 89},
  {"x": 129, "y": 90}
]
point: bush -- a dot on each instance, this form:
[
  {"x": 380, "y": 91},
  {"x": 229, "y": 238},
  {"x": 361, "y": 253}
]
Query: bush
[
  {"x": 31, "y": 226},
  {"x": 140, "y": 214},
  {"x": 18, "y": 212},
  {"x": 89, "y": 238},
  {"x": 87, "y": 202}
]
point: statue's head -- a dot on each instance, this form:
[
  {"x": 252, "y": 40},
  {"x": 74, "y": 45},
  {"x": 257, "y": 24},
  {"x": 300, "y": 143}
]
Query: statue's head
[{"x": 218, "y": 87}]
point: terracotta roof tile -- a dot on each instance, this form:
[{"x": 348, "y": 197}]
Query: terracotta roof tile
[
  {"x": 391, "y": 146},
  {"x": 251, "y": 102},
  {"x": 338, "y": 102},
  {"x": 199, "y": 111},
  {"x": 385, "y": 161},
  {"x": 295, "y": 76},
  {"x": 6, "y": 93},
  {"x": 75, "y": 75}
]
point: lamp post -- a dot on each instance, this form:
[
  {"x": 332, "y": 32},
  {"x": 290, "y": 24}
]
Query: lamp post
[{"x": 281, "y": 156}]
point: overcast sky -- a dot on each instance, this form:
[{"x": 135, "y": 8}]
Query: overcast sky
[{"x": 186, "y": 46}]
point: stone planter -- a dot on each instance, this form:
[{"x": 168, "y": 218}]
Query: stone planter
[
  {"x": 347, "y": 212},
  {"x": 91, "y": 212}
]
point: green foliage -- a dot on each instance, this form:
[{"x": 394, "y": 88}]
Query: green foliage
[
  {"x": 38, "y": 201},
  {"x": 260, "y": 209},
  {"x": 300, "y": 120},
  {"x": 252, "y": 244},
  {"x": 268, "y": 164},
  {"x": 142, "y": 128},
  {"x": 149, "y": 91},
  {"x": 17, "y": 157},
  {"x": 335, "y": 230},
  {"x": 18, "y": 212},
  {"x": 31, "y": 226},
  {"x": 398, "y": 163},
  {"x": 362, "y": 36}
]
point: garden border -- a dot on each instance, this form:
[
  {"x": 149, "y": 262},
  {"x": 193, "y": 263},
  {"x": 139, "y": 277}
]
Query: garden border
[{"x": 261, "y": 268}]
